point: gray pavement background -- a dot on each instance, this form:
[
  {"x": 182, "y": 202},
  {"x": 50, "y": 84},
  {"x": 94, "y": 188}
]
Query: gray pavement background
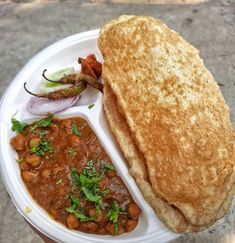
[{"x": 26, "y": 27}]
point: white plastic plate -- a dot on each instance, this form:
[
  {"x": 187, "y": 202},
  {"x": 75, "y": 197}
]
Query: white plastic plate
[{"x": 60, "y": 55}]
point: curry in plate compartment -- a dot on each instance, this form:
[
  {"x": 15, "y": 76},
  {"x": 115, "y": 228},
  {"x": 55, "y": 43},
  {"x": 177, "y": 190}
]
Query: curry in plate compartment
[{"x": 68, "y": 173}]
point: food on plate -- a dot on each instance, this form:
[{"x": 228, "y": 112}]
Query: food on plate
[
  {"x": 170, "y": 119},
  {"x": 41, "y": 106},
  {"x": 68, "y": 173},
  {"x": 63, "y": 88},
  {"x": 61, "y": 93},
  {"x": 91, "y": 66}
]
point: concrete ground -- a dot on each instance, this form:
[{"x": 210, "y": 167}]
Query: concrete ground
[{"x": 27, "y": 27}]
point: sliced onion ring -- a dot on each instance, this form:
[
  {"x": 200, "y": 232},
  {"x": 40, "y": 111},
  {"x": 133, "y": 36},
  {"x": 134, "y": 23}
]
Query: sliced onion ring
[{"x": 42, "y": 106}]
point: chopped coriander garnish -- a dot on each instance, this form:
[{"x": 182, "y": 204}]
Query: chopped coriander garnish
[
  {"x": 76, "y": 131},
  {"x": 80, "y": 216},
  {"x": 74, "y": 178},
  {"x": 19, "y": 160},
  {"x": 74, "y": 200},
  {"x": 17, "y": 126},
  {"x": 59, "y": 181},
  {"x": 88, "y": 181},
  {"x": 44, "y": 122},
  {"x": 41, "y": 132},
  {"x": 113, "y": 215},
  {"x": 91, "y": 195},
  {"x": 75, "y": 204},
  {"x": 106, "y": 192},
  {"x": 116, "y": 228},
  {"x": 102, "y": 173},
  {"x": 123, "y": 210},
  {"x": 90, "y": 163},
  {"x": 91, "y": 106},
  {"x": 110, "y": 167},
  {"x": 42, "y": 148},
  {"x": 72, "y": 151},
  {"x": 97, "y": 209}
]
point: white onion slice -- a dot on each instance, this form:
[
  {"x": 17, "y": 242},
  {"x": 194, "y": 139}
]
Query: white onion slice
[{"x": 42, "y": 106}]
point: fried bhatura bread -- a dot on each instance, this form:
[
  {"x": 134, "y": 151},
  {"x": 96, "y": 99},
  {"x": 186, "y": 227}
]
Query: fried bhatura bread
[
  {"x": 169, "y": 214},
  {"x": 175, "y": 112}
]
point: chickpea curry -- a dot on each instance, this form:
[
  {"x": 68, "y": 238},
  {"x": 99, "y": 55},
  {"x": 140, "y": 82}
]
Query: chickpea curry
[{"x": 68, "y": 173}]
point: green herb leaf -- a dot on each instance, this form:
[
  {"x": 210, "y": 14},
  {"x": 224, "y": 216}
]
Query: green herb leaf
[
  {"x": 17, "y": 126},
  {"x": 80, "y": 216},
  {"x": 113, "y": 215},
  {"x": 59, "y": 181},
  {"x": 116, "y": 228},
  {"x": 84, "y": 180},
  {"x": 106, "y": 192},
  {"x": 19, "y": 160},
  {"x": 123, "y": 210},
  {"x": 72, "y": 151},
  {"x": 97, "y": 209},
  {"x": 91, "y": 106},
  {"x": 41, "y": 132},
  {"x": 88, "y": 181},
  {"x": 102, "y": 173},
  {"x": 74, "y": 200},
  {"x": 44, "y": 122},
  {"x": 42, "y": 148},
  {"x": 76, "y": 131},
  {"x": 90, "y": 163},
  {"x": 110, "y": 167},
  {"x": 75, "y": 178},
  {"x": 91, "y": 196}
]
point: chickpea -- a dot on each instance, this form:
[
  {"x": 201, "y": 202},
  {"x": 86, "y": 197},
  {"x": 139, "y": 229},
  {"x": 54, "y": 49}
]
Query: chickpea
[
  {"x": 33, "y": 159},
  {"x": 92, "y": 212},
  {"x": 121, "y": 229},
  {"x": 62, "y": 191},
  {"x": 72, "y": 221},
  {"x": 57, "y": 169},
  {"x": 54, "y": 212},
  {"x": 79, "y": 168},
  {"x": 18, "y": 142},
  {"x": 111, "y": 229},
  {"x": 102, "y": 184},
  {"x": 46, "y": 173},
  {"x": 34, "y": 142},
  {"x": 66, "y": 125},
  {"x": 89, "y": 227},
  {"x": 23, "y": 165},
  {"x": 100, "y": 215},
  {"x": 53, "y": 127},
  {"x": 110, "y": 173},
  {"x": 29, "y": 176},
  {"x": 133, "y": 211},
  {"x": 73, "y": 140},
  {"x": 130, "y": 225},
  {"x": 35, "y": 164}
]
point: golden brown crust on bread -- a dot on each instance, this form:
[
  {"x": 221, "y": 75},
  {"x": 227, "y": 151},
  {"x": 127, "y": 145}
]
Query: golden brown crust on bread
[
  {"x": 175, "y": 112},
  {"x": 169, "y": 214}
]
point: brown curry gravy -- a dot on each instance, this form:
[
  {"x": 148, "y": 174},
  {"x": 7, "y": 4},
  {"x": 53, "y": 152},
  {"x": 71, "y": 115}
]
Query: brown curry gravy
[{"x": 48, "y": 177}]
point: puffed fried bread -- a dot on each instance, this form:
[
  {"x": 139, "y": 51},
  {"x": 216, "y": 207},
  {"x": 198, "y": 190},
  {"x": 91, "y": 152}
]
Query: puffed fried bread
[{"x": 175, "y": 113}]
